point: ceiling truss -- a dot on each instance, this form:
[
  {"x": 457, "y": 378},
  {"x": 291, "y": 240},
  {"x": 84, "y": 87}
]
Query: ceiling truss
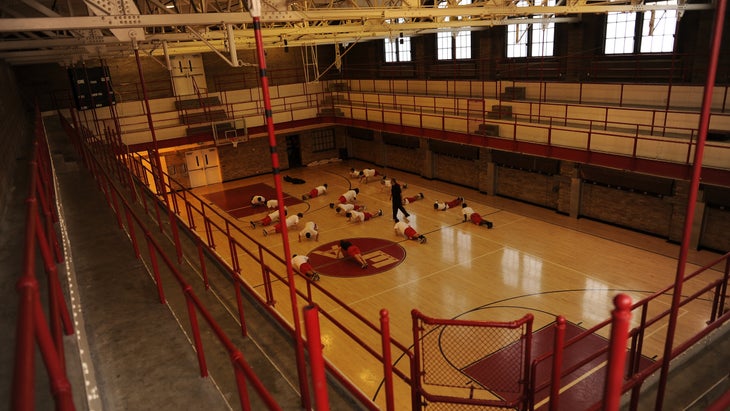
[{"x": 31, "y": 32}]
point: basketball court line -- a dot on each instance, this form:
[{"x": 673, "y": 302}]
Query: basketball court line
[
  {"x": 573, "y": 383},
  {"x": 349, "y": 182},
  {"x": 520, "y": 216}
]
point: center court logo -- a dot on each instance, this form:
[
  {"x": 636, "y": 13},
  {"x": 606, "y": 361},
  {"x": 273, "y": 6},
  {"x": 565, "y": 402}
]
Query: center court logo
[{"x": 381, "y": 255}]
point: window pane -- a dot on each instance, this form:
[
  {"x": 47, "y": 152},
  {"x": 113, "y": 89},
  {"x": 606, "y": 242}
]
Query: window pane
[
  {"x": 404, "y": 49},
  {"x": 443, "y": 45},
  {"x": 517, "y": 40},
  {"x": 390, "y": 51},
  {"x": 657, "y": 34},
  {"x": 543, "y": 34},
  {"x": 620, "y": 33},
  {"x": 455, "y": 44},
  {"x": 517, "y": 36},
  {"x": 463, "y": 44},
  {"x": 398, "y": 49},
  {"x": 543, "y": 39},
  {"x": 323, "y": 140}
]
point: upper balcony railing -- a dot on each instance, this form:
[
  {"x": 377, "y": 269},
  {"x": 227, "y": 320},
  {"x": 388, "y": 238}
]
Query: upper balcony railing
[
  {"x": 645, "y": 122},
  {"x": 248, "y": 262}
]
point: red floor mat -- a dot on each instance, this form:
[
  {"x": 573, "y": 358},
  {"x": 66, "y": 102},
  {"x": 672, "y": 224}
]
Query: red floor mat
[{"x": 237, "y": 201}]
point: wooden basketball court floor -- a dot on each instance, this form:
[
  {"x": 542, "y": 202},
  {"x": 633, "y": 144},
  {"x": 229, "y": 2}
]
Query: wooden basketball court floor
[{"x": 534, "y": 260}]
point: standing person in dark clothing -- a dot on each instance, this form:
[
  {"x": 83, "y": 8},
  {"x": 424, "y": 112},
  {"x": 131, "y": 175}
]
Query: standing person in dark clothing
[{"x": 396, "y": 197}]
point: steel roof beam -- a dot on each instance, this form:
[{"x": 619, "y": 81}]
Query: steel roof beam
[{"x": 470, "y": 14}]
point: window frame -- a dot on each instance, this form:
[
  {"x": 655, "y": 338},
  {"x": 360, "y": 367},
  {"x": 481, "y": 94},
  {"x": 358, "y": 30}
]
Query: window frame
[
  {"x": 640, "y": 38},
  {"x": 526, "y": 48},
  {"x": 459, "y": 40},
  {"x": 397, "y": 52},
  {"x": 323, "y": 140}
]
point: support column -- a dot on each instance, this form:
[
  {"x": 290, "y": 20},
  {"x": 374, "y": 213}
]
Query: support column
[
  {"x": 427, "y": 156},
  {"x": 381, "y": 153},
  {"x": 486, "y": 169},
  {"x": 575, "y": 196}
]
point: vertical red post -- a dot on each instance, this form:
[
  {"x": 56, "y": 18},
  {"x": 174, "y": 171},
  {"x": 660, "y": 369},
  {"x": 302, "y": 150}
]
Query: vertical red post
[
  {"x": 255, "y": 11},
  {"x": 314, "y": 345},
  {"x": 387, "y": 360},
  {"x": 558, "y": 343},
  {"x": 203, "y": 266},
  {"x": 239, "y": 304},
  {"x": 195, "y": 328},
  {"x": 416, "y": 363},
  {"x": 130, "y": 228},
  {"x": 155, "y": 267},
  {"x": 529, "y": 318},
  {"x": 692, "y": 198},
  {"x": 620, "y": 318}
]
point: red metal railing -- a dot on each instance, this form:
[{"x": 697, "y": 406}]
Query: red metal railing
[
  {"x": 32, "y": 326},
  {"x": 575, "y": 106},
  {"x": 396, "y": 113},
  {"x": 231, "y": 245},
  {"x": 706, "y": 280},
  {"x": 236, "y": 244},
  {"x": 513, "y": 339},
  {"x": 134, "y": 223},
  {"x": 209, "y": 225}
]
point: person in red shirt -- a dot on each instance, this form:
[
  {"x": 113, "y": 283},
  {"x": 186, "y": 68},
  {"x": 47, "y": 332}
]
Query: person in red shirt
[{"x": 348, "y": 249}]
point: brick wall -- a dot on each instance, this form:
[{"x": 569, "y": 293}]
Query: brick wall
[
  {"x": 641, "y": 212},
  {"x": 563, "y": 181},
  {"x": 250, "y": 158},
  {"x": 401, "y": 158},
  {"x": 308, "y": 156},
  {"x": 662, "y": 216},
  {"x": 715, "y": 229},
  {"x": 679, "y": 202},
  {"x": 15, "y": 133},
  {"x": 533, "y": 188},
  {"x": 126, "y": 81},
  {"x": 176, "y": 167},
  {"x": 646, "y": 213},
  {"x": 456, "y": 170}
]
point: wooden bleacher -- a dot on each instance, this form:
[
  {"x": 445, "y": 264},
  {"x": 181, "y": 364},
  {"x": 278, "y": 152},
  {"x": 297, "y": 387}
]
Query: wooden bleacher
[
  {"x": 488, "y": 130},
  {"x": 199, "y": 114},
  {"x": 197, "y": 102},
  {"x": 500, "y": 112}
]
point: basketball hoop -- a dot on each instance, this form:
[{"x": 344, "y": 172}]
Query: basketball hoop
[
  {"x": 234, "y": 139},
  {"x": 232, "y": 131}
]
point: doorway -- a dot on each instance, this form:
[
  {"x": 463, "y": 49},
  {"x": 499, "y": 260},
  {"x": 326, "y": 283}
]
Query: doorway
[
  {"x": 203, "y": 167},
  {"x": 293, "y": 150}
]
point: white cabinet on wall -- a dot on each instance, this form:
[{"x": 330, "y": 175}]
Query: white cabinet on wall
[{"x": 203, "y": 167}]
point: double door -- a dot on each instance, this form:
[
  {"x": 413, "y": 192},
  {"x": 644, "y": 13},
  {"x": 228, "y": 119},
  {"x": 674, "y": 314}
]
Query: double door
[{"x": 203, "y": 167}]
